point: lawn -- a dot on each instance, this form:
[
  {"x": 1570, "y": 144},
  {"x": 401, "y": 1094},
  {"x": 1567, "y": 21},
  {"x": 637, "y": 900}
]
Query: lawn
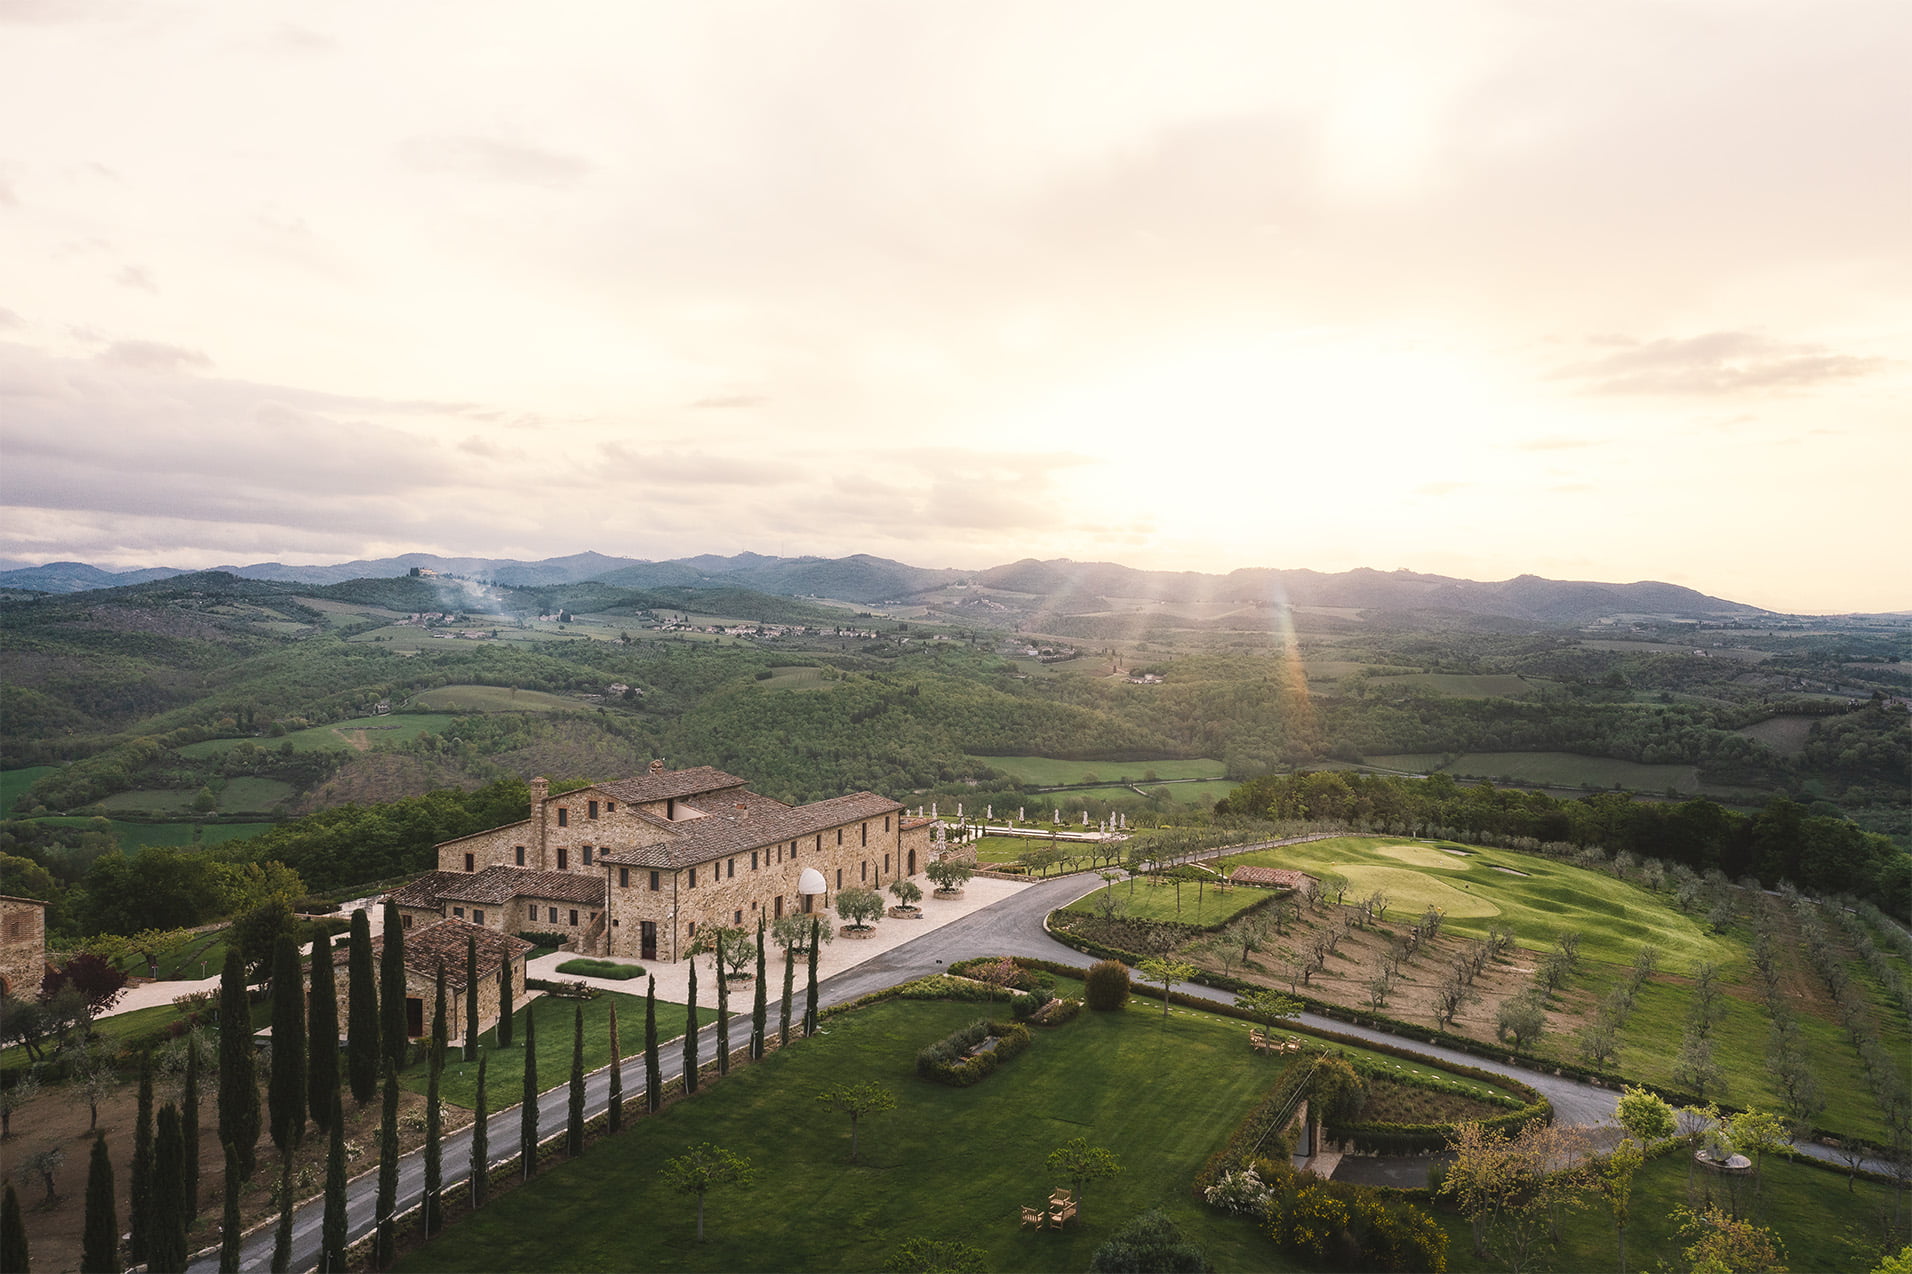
[
  {"x": 1042, "y": 771},
  {"x": 947, "y": 1163},
  {"x": 493, "y": 699},
  {"x": 1477, "y": 888},
  {"x": 1152, "y": 898}
]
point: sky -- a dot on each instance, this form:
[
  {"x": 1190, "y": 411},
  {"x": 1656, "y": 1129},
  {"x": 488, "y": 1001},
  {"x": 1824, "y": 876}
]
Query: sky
[{"x": 1609, "y": 291}]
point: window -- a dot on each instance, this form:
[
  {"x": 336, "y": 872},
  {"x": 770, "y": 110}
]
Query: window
[
  {"x": 564, "y": 858},
  {"x": 459, "y": 912},
  {"x": 738, "y": 918},
  {"x": 839, "y": 878},
  {"x": 819, "y": 842},
  {"x": 653, "y": 882},
  {"x": 865, "y": 829},
  {"x": 839, "y": 835},
  {"x": 587, "y": 855},
  {"x": 610, "y": 807},
  {"x": 470, "y": 862},
  {"x": 866, "y": 870},
  {"x": 753, "y": 860},
  {"x": 478, "y": 915},
  {"x": 553, "y": 916},
  {"x": 520, "y": 852},
  {"x": 624, "y": 878},
  {"x": 590, "y": 809},
  {"x": 406, "y": 921},
  {"x": 733, "y": 869},
  {"x": 886, "y": 822},
  {"x": 574, "y": 916},
  {"x": 564, "y": 817},
  {"x": 693, "y": 878},
  {"x": 886, "y": 862}
]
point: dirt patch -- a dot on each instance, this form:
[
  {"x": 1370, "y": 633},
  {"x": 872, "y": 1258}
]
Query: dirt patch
[
  {"x": 59, "y": 1117},
  {"x": 354, "y": 739},
  {"x": 1509, "y": 870}
]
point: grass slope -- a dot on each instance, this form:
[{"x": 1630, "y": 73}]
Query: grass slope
[{"x": 1042, "y": 771}]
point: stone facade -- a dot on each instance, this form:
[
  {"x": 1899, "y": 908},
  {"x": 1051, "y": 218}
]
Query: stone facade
[
  {"x": 660, "y": 856},
  {"x": 22, "y": 946}
]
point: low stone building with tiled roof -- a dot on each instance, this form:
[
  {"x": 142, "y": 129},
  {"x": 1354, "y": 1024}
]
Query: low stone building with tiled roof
[
  {"x": 434, "y": 941},
  {"x": 633, "y": 867}
]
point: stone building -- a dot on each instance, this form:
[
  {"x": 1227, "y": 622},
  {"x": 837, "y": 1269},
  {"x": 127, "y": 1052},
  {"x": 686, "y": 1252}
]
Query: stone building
[
  {"x": 634, "y": 867},
  {"x": 22, "y": 946},
  {"x": 430, "y": 943}
]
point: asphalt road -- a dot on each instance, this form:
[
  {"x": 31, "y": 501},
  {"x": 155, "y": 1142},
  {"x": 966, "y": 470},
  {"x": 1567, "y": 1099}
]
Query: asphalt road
[{"x": 1013, "y": 926}]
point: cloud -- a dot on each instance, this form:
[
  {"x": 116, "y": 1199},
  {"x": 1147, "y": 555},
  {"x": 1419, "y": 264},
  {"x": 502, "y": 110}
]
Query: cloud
[
  {"x": 9, "y": 319},
  {"x": 152, "y": 356},
  {"x": 136, "y": 276},
  {"x": 494, "y": 160},
  {"x": 1716, "y": 363}
]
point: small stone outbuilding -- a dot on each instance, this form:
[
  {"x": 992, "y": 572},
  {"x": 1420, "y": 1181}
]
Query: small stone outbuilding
[
  {"x": 427, "y": 946},
  {"x": 22, "y": 946}
]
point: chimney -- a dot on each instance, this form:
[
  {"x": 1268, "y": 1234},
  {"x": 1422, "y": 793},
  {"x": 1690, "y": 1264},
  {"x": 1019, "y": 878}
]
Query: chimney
[
  {"x": 743, "y": 810},
  {"x": 540, "y": 792},
  {"x": 540, "y": 789},
  {"x": 657, "y": 766}
]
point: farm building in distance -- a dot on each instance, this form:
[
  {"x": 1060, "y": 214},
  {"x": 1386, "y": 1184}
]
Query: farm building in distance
[{"x": 633, "y": 868}]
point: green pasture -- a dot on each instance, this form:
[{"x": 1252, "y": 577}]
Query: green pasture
[
  {"x": 795, "y": 678},
  {"x": 1476, "y": 888},
  {"x": 1572, "y": 769},
  {"x": 504, "y": 1077},
  {"x": 1099, "y": 1077},
  {"x": 1462, "y": 685},
  {"x": 1784, "y": 734},
  {"x": 360, "y": 733},
  {"x": 1413, "y": 762},
  {"x": 493, "y": 699},
  {"x": 147, "y": 800},
  {"x": 1042, "y": 771},
  {"x": 249, "y": 795},
  {"x": 14, "y": 782},
  {"x": 1154, "y": 898}
]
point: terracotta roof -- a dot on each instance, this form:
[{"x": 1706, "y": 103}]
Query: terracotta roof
[
  {"x": 1270, "y": 876},
  {"x": 501, "y": 884},
  {"x": 726, "y": 830},
  {"x": 910, "y": 824},
  {"x": 445, "y": 943},
  {"x": 426, "y": 890},
  {"x": 666, "y": 784},
  {"x": 524, "y": 823}
]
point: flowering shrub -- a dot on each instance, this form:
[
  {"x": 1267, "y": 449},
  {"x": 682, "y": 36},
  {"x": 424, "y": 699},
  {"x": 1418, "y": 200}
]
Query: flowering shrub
[{"x": 1242, "y": 1191}]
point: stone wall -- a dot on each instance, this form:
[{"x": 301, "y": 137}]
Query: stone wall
[{"x": 22, "y": 946}]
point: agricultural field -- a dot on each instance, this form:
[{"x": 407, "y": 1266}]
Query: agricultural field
[
  {"x": 1409, "y": 762},
  {"x": 14, "y": 782},
  {"x": 135, "y": 836},
  {"x": 1571, "y": 769},
  {"x": 359, "y": 734},
  {"x": 799, "y": 677},
  {"x": 493, "y": 699},
  {"x": 1492, "y": 685},
  {"x": 1042, "y": 771},
  {"x": 243, "y": 795},
  {"x": 1785, "y": 734},
  {"x": 1200, "y": 794},
  {"x": 1666, "y": 648}
]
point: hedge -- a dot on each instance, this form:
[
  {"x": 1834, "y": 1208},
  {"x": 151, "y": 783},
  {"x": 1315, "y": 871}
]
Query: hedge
[{"x": 944, "y": 1061}]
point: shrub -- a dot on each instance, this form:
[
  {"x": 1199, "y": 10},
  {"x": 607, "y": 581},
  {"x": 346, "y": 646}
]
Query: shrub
[
  {"x": 588, "y": 968},
  {"x": 1056, "y": 1012},
  {"x": 539, "y": 939},
  {"x": 948, "y": 1061},
  {"x": 1024, "y": 1004},
  {"x": 942, "y": 986},
  {"x": 1106, "y": 986}
]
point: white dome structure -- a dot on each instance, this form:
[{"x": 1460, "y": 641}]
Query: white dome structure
[{"x": 811, "y": 882}]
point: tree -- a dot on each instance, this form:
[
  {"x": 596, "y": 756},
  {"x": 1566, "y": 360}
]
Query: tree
[
  {"x": 435, "y": 1109},
  {"x": 282, "y": 1233},
  {"x": 13, "y": 1232},
  {"x": 810, "y": 1000},
  {"x": 616, "y": 1116},
  {"x": 1645, "y": 1115},
  {"x": 1080, "y": 1163},
  {"x": 238, "y": 1087},
  {"x": 99, "y": 1249},
  {"x": 322, "y": 1035},
  {"x": 906, "y": 892},
  {"x": 166, "y": 1218},
  {"x": 139, "y": 1186},
  {"x": 723, "y": 1016},
  {"x": 1269, "y": 1007},
  {"x": 1168, "y": 972},
  {"x": 1614, "y": 1178},
  {"x": 1106, "y": 986},
  {"x": 285, "y": 1085},
  {"x": 504, "y": 1005},
  {"x": 189, "y": 1133},
  {"x": 480, "y": 1185},
  {"x": 528, "y": 1113},
  {"x": 1728, "y": 1245},
  {"x": 99, "y": 984},
  {"x": 690, "y": 1034},
  {"x": 949, "y": 874},
  {"x": 1513, "y": 1188},
  {"x": 859, "y": 907},
  {"x": 362, "y": 1011},
  {"x": 332, "y": 1228},
  {"x": 705, "y": 1168},
  {"x": 392, "y": 1031},
  {"x": 789, "y": 981},
  {"x": 653, "y": 1068},
  {"x": 471, "y": 996},
  {"x": 1759, "y": 1133},
  {"x": 92, "y": 1066},
  {"x": 1150, "y": 1244},
  {"x": 387, "y": 1200},
  {"x": 1521, "y": 1019},
  {"x": 856, "y": 1101},
  {"x": 760, "y": 1006},
  {"x": 574, "y": 1128}
]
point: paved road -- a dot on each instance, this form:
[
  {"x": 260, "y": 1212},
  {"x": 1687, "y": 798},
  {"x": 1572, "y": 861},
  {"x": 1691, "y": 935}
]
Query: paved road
[{"x": 1013, "y": 926}]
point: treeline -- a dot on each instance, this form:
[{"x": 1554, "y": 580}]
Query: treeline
[{"x": 1783, "y": 842}]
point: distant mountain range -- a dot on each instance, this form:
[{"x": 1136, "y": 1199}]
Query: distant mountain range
[{"x": 1063, "y": 584}]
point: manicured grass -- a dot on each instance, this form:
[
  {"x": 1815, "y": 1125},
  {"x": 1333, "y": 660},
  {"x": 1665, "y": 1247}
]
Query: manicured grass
[
  {"x": 1149, "y": 898},
  {"x": 494, "y": 699},
  {"x": 14, "y": 782},
  {"x": 141, "y": 1027},
  {"x": 1613, "y": 917},
  {"x": 1415, "y": 762},
  {"x": 504, "y": 1076},
  {"x": 947, "y": 1163},
  {"x": 1042, "y": 771}
]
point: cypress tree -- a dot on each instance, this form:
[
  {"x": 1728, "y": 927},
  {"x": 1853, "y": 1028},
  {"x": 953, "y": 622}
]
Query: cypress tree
[
  {"x": 139, "y": 1188},
  {"x": 690, "y": 1034},
  {"x": 238, "y": 1085},
  {"x": 723, "y": 1015},
  {"x": 789, "y": 982},
  {"x": 653, "y": 1068},
  {"x": 189, "y": 1131},
  {"x": 13, "y": 1232},
  {"x": 504, "y": 1005},
  {"x": 810, "y": 1004},
  {"x": 574, "y": 1127},
  {"x": 322, "y": 1035},
  {"x": 481, "y": 1141},
  {"x": 387, "y": 1199},
  {"x": 99, "y": 1249},
  {"x": 617, "y": 1076},
  {"x": 282, "y": 1234},
  {"x": 759, "y": 1009},
  {"x": 166, "y": 1208},
  {"x": 332, "y": 1228},
  {"x": 434, "y": 1119},
  {"x": 362, "y": 1016},
  {"x": 231, "y": 1228},
  {"x": 393, "y": 1035},
  {"x": 528, "y": 1114},
  {"x": 285, "y": 1087},
  {"x": 471, "y": 998}
]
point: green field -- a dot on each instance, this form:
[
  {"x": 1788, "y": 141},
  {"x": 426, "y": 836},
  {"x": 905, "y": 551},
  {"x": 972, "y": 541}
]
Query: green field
[
  {"x": 1412, "y": 762},
  {"x": 795, "y": 678},
  {"x": 14, "y": 782},
  {"x": 493, "y": 699},
  {"x": 1571, "y": 769},
  {"x": 1489, "y": 685},
  {"x": 1612, "y": 916},
  {"x": 1785, "y": 735},
  {"x": 359, "y": 734},
  {"x": 150, "y": 801},
  {"x": 1042, "y": 771},
  {"x": 136, "y": 836},
  {"x": 248, "y": 795},
  {"x": 1152, "y": 898}
]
